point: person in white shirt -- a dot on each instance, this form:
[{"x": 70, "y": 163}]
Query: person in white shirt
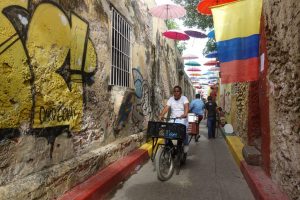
[{"x": 179, "y": 107}]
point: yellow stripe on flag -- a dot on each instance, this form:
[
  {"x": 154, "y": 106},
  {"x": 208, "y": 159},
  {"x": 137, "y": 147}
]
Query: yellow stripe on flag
[{"x": 238, "y": 19}]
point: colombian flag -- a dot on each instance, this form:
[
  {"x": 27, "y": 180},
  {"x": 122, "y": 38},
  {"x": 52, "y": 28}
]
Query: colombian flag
[{"x": 237, "y": 35}]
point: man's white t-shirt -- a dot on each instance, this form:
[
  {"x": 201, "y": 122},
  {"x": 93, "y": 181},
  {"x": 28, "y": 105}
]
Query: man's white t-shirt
[{"x": 177, "y": 108}]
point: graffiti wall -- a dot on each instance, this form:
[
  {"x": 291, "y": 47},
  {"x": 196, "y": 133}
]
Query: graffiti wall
[
  {"x": 60, "y": 120},
  {"x": 142, "y": 109},
  {"x": 46, "y": 59}
]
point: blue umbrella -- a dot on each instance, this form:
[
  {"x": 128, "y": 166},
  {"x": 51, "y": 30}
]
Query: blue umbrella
[
  {"x": 211, "y": 34},
  {"x": 213, "y": 54}
]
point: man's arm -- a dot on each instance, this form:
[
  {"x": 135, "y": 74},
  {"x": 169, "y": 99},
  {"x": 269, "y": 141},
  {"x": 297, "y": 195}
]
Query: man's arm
[{"x": 164, "y": 111}]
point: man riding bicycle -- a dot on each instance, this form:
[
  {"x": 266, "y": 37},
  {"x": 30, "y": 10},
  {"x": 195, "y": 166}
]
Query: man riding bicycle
[{"x": 179, "y": 107}]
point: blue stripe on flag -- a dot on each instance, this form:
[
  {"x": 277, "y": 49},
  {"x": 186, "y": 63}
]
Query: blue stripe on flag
[{"x": 238, "y": 48}]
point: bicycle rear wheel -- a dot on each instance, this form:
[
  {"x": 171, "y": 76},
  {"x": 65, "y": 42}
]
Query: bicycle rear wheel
[{"x": 164, "y": 163}]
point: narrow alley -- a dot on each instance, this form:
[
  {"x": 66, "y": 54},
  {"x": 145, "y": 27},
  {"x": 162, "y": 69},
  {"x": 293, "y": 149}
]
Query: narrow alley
[
  {"x": 81, "y": 80},
  {"x": 210, "y": 173}
]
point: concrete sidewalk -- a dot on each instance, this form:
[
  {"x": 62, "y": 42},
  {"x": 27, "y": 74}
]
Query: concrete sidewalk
[
  {"x": 98, "y": 186},
  {"x": 260, "y": 184}
]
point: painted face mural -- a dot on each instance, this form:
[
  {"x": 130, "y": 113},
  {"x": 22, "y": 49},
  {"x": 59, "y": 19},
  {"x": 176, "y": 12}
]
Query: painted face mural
[{"x": 46, "y": 58}]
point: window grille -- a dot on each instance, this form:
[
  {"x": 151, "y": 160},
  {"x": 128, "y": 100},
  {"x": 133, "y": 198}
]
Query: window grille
[{"x": 121, "y": 50}]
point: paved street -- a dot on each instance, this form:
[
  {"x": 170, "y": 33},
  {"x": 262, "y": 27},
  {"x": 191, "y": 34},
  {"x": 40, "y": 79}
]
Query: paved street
[{"x": 210, "y": 173}]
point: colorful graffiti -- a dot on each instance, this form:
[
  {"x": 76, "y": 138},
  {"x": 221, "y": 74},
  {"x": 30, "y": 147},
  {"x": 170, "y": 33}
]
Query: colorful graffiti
[{"x": 46, "y": 59}]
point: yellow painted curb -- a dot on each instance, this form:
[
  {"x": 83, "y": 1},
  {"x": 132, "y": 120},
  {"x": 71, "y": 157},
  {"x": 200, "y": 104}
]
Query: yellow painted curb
[
  {"x": 148, "y": 146},
  {"x": 236, "y": 146}
]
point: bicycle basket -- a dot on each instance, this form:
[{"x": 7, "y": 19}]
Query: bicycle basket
[{"x": 166, "y": 130}]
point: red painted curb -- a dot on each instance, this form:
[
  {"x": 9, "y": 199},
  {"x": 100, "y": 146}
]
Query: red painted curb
[
  {"x": 97, "y": 186},
  {"x": 260, "y": 184}
]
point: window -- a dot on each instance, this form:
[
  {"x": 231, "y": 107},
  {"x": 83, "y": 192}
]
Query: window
[{"x": 121, "y": 50}]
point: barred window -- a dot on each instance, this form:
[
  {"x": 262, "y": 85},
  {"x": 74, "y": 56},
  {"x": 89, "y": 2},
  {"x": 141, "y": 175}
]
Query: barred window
[{"x": 121, "y": 50}]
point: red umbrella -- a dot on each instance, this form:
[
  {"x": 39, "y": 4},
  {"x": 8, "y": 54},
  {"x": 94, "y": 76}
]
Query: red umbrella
[
  {"x": 168, "y": 11},
  {"x": 204, "y": 5},
  {"x": 211, "y": 63},
  {"x": 193, "y": 69},
  {"x": 189, "y": 56},
  {"x": 176, "y": 35}
]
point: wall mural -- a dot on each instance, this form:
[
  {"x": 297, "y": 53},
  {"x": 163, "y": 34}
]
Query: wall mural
[
  {"x": 142, "y": 108},
  {"x": 46, "y": 59}
]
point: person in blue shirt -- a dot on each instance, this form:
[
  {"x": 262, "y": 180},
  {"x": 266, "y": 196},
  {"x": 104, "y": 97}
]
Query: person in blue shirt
[{"x": 197, "y": 106}]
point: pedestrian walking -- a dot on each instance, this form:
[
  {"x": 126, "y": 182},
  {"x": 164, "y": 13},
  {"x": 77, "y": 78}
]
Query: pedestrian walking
[
  {"x": 210, "y": 114},
  {"x": 197, "y": 107}
]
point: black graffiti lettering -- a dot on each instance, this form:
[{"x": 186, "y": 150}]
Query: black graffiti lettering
[{"x": 59, "y": 114}]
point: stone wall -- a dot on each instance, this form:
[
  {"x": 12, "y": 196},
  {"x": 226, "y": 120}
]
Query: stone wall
[
  {"x": 58, "y": 109},
  {"x": 282, "y": 25},
  {"x": 239, "y": 110}
]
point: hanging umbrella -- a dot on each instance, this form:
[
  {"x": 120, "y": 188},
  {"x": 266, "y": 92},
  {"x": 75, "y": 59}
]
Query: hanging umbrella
[
  {"x": 208, "y": 73},
  {"x": 213, "y": 77},
  {"x": 193, "y": 69},
  {"x": 168, "y": 11},
  {"x": 176, "y": 35},
  {"x": 195, "y": 74},
  {"x": 211, "y": 63},
  {"x": 214, "y": 69},
  {"x": 194, "y": 78},
  {"x": 203, "y": 78},
  {"x": 192, "y": 63},
  {"x": 204, "y": 5},
  {"x": 211, "y": 34},
  {"x": 189, "y": 56},
  {"x": 195, "y": 33},
  {"x": 213, "y": 54}
]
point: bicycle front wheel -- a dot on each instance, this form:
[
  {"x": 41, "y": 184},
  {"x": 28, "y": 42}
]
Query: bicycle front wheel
[{"x": 164, "y": 164}]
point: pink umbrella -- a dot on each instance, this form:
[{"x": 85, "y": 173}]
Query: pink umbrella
[
  {"x": 168, "y": 11},
  {"x": 189, "y": 56},
  {"x": 193, "y": 69},
  {"x": 176, "y": 35},
  {"x": 211, "y": 63}
]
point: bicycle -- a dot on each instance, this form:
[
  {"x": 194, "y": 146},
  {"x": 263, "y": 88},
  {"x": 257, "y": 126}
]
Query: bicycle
[{"x": 168, "y": 156}]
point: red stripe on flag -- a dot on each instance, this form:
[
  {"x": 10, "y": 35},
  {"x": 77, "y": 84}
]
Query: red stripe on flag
[{"x": 240, "y": 70}]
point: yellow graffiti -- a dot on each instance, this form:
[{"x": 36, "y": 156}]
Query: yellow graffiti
[
  {"x": 15, "y": 88},
  {"x": 54, "y": 43}
]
